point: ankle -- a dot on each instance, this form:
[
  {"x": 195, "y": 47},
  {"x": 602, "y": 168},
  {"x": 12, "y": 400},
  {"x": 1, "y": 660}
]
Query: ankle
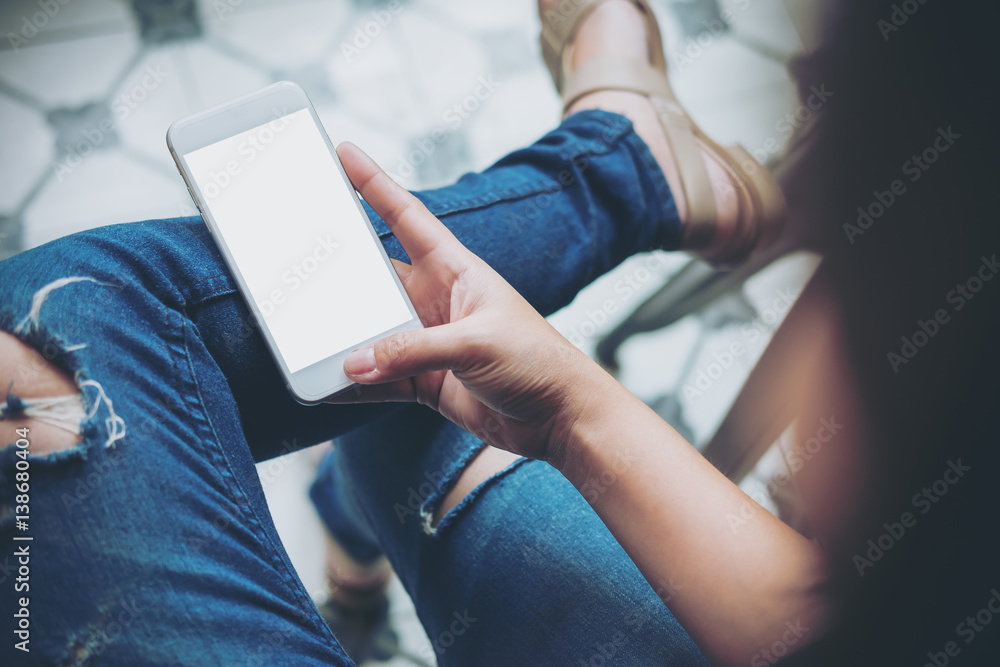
[
  {"x": 727, "y": 202},
  {"x": 622, "y": 29},
  {"x": 350, "y": 576},
  {"x": 358, "y": 598},
  {"x": 614, "y": 28}
]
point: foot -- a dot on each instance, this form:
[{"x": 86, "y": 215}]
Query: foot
[
  {"x": 357, "y": 608},
  {"x": 365, "y": 634},
  {"x": 617, "y": 28},
  {"x": 352, "y": 584}
]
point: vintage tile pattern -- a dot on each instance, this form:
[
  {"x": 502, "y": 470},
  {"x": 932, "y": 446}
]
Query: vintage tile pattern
[{"x": 385, "y": 80}]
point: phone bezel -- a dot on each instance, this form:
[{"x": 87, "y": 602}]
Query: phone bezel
[{"x": 325, "y": 378}]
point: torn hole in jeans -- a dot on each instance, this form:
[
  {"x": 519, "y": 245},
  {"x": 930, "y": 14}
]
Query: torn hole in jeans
[
  {"x": 66, "y": 413},
  {"x": 429, "y": 508},
  {"x": 69, "y": 413},
  {"x": 78, "y": 413},
  {"x": 439, "y": 483}
]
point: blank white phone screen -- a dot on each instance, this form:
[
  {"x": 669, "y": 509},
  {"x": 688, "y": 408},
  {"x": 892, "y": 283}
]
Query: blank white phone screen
[{"x": 306, "y": 255}]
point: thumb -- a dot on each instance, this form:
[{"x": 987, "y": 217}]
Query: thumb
[{"x": 406, "y": 354}]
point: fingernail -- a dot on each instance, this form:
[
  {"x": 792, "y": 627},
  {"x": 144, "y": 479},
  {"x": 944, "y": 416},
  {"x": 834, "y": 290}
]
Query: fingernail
[{"x": 360, "y": 362}]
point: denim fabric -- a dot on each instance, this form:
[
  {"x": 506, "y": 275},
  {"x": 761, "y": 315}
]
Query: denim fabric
[
  {"x": 152, "y": 542},
  {"x": 522, "y": 571}
]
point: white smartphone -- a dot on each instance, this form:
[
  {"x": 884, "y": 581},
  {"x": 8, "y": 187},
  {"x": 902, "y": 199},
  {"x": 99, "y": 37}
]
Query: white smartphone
[{"x": 292, "y": 230}]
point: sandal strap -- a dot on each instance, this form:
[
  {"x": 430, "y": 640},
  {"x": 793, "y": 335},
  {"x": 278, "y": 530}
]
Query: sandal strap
[
  {"x": 619, "y": 73},
  {"x": 643, "y": 78},
  {"x": 682, "y": 135},
  {"x": 558, "y": 28},
  {"x": 613, "y": 73},
  {"x": 561, "y": 25}
]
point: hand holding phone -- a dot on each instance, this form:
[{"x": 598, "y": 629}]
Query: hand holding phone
[
  {"x": 290, "y": 227},
  {"x": 487, "y": 360}
]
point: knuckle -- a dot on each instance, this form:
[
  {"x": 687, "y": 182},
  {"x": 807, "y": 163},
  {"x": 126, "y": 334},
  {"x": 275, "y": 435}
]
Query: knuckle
[{"x": 395, "y": 349}]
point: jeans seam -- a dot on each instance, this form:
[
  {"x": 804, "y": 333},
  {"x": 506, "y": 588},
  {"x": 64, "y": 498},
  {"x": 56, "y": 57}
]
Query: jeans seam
[
  {"x": 446, "y": 208},
  {"x": 237, "y": 494},
  {"x": 619, "y": 126},
  {"x": 192, "y": 301},
  {"x": 624, "y": 134},
  {"x": 617, "y": 130},
  {"x": 206, "y": 279}
]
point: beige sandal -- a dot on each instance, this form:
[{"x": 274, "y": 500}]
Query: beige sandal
[{"x": 761, "y": 204}]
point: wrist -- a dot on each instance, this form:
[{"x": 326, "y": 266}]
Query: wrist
[{"x": 595, "y": 402}]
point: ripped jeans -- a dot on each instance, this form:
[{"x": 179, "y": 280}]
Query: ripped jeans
[{"x": 150, "y": 542}]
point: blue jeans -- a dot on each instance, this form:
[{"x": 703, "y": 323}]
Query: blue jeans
[{"x": 151, "y": 542}]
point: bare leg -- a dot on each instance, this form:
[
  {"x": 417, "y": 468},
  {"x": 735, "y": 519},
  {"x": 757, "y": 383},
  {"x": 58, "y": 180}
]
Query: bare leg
[{"x": 25, "y": 378}]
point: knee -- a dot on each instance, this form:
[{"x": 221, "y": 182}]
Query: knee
[
  {"x": 37, "y": 396},
  {"x": 486, "y": 464}
]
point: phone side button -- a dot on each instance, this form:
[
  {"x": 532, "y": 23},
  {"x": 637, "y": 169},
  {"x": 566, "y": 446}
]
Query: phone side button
[{"x": 193, "y": 199}]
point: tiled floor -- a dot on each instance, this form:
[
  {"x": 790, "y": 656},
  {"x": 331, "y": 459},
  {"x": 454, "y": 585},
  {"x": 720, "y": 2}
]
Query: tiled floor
[{"x": 386, "y": 90}]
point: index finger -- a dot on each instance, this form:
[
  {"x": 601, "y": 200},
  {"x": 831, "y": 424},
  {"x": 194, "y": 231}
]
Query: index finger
[{"x": 417, "y": 229}]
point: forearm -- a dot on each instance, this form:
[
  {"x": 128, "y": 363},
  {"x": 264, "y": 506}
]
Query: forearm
[
  {"x": 518, "y": 385},
  {"x": 736, "y": 577}
]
